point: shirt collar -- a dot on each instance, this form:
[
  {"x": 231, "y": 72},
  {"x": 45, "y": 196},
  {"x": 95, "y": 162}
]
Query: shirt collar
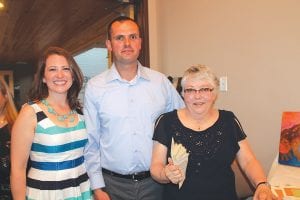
[{"x": 113, "y": 73}]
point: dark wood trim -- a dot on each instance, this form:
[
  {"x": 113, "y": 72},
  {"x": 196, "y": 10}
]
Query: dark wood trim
[{"x": 141, "y": 16}]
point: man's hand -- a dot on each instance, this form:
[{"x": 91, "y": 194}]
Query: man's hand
[{"x": 99, "y": 194}]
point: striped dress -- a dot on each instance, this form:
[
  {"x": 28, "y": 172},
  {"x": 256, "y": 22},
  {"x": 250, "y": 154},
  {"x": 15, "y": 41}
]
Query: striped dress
[{"x": 57, "y": 169}]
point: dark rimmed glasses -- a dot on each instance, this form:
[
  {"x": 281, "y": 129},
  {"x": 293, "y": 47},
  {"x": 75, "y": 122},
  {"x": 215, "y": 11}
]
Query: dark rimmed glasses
[{"x": 204, "y": 91}]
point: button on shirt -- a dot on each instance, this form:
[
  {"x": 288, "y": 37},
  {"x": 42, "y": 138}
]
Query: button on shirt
[{"x": 120, "y": 117}]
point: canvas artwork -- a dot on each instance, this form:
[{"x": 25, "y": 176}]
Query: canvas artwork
[
  {"x": 291, "y": 192},
  {"x": 289, "y": 147}
]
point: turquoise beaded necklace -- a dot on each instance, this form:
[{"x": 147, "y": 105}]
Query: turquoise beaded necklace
[{"x": 58, "y": 116}]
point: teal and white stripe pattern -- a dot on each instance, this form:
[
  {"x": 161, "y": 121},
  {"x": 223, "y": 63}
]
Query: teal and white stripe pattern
[{"x": 57, "y": 163}]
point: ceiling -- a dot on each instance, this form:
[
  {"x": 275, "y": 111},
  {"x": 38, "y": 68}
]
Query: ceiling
[{"x": 27, "y": 27}]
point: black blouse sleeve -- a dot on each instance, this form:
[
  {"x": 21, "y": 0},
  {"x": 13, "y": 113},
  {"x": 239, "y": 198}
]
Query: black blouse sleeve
[
  {"x": 238, "y": 130},
  {"x": 160, "y": 133}
]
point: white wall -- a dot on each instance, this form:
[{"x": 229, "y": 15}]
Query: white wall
[{"x": 255, "y": 43}]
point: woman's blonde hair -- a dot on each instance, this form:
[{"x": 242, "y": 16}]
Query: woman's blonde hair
[{"x": 9, "y": 108}]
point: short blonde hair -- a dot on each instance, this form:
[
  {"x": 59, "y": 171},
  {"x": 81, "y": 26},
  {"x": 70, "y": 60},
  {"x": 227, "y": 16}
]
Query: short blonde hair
[{"x": 201, "y": 73}]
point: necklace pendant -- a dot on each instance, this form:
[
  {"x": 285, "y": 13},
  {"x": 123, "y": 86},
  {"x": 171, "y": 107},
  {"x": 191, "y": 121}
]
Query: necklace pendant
[
  {"x": 71, "y": 119},
  {"x": 61, "y": 118}
]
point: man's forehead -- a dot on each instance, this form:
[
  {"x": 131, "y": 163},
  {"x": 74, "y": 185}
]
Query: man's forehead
[
  {"x": 124, "y": 26},
  {"x": 124, "y": 22}
]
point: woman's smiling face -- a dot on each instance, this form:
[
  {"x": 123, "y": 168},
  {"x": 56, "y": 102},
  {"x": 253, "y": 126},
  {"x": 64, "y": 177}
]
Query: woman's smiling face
[
  {"x": 58, "y": 74},
  {"x": 199, "y": 95}
]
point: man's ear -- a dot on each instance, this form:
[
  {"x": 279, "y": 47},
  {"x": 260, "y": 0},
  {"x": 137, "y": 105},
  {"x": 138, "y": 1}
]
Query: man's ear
[{"x": 108, "y": 45}]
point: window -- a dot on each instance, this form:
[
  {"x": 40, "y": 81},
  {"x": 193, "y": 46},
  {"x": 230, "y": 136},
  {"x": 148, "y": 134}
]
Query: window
[{"x": 91, "y": 62}]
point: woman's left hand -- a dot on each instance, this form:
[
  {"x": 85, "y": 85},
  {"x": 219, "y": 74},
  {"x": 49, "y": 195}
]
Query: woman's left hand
[{"x": 263, "y": 192}]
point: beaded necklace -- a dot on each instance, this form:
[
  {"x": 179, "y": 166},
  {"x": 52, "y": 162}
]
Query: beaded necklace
[{"x": 58, "y": 116}]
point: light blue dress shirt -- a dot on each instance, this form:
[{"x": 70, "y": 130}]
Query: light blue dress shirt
[{"x": 120, "y": 117}]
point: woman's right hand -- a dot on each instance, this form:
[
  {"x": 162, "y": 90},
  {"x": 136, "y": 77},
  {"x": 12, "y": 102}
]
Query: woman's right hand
[{"x": 173, "y": 172}]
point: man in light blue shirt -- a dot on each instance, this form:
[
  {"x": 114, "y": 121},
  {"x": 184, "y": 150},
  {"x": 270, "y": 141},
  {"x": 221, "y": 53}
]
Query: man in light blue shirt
[{"x": 120, "y": 108}]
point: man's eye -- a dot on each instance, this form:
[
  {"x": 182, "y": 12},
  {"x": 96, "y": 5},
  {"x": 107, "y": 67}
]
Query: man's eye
[
  {"x": 119, "y": 37},
  {"x": 133, "y": 37}
]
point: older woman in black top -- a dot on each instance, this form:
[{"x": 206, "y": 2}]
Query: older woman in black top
[{"x": 195, "y": 146}]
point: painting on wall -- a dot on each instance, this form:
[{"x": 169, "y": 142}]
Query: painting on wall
[{"x": 289, "y": 146}]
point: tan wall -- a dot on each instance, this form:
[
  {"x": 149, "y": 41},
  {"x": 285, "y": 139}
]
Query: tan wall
[{"x": 255, "y": 43}]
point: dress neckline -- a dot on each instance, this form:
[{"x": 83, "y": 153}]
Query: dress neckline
[
  {"x": 60, "y": 126},
  {"x": 198, "y": 131}
]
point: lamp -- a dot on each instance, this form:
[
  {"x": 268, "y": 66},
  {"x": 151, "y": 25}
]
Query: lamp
[{"x": 1, "y": 4}]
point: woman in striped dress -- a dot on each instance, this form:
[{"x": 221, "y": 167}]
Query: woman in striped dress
[{"x": 50, "y": 130}]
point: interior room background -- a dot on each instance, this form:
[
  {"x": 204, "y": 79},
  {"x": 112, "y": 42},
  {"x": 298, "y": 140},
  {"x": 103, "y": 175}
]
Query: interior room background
[{"x": 255, "y": 43}]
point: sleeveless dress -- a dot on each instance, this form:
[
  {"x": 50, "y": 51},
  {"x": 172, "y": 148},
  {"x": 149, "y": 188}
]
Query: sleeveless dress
[{"x": 57, "y": 170}]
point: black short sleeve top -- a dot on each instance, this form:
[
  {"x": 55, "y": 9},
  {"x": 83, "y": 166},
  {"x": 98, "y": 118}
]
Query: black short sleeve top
[{"x": 211, "y": 153}]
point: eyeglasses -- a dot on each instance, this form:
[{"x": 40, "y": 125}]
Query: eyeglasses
[{"x": 204, "y": 91}]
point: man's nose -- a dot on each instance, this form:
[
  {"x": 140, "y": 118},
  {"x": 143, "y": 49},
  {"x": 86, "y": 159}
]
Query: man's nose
[{"x": 127, "y": 41}]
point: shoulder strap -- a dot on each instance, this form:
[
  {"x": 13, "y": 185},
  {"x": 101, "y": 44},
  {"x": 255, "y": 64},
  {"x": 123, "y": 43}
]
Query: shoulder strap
[{"x": 35, "y": 107}]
